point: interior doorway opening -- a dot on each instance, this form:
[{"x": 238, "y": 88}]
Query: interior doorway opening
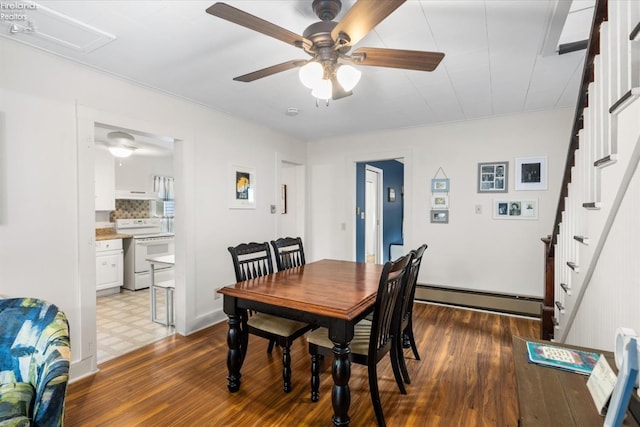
[
  {"x": 123, "y": 319},
  {"x": 379, "y": 209},
  {"x": 291, "y": 209},
  {"x": 373, "y": 214}
]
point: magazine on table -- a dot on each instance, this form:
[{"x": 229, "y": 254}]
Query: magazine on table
[{"x": 568, "y": 359}]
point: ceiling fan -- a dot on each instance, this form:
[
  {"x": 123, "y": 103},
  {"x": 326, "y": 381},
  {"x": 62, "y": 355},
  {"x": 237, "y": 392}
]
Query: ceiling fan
[{"x": 329, "y": 72}]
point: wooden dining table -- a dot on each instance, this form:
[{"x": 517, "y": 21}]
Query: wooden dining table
[{"x": 328, "y": 293}]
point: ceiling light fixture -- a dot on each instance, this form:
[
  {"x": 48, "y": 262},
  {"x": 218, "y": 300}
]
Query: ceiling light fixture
[
  {"x": 348, "y": 77},
  {"x": 121, "y": 144},
  {"x": 322, "y": 90},
  {"x": 319, "y": 78}
]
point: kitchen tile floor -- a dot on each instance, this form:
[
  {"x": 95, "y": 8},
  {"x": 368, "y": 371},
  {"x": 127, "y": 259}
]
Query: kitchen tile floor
[{"x": 124, "y": 323}]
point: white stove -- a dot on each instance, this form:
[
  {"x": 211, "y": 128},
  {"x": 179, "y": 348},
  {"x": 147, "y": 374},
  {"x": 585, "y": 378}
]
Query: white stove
[
  {"x": 148, "y": 241},
  {"x": 151, "y": 227}
]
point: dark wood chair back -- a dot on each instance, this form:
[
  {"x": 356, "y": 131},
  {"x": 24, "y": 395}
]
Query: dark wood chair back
[
  {"x": 406, "y": 338},
  {"x": 412, "y": 279},
  {"x": 251, "y": 260},
  {"x": 386, "y": 311},
  {"x": 288, "y": 252}
]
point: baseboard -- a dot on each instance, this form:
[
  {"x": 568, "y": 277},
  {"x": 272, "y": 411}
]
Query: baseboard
[{"x": 511, "y": 304}]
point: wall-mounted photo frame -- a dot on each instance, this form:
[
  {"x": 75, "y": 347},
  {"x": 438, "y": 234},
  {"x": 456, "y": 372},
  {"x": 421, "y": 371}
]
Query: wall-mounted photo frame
[
  {"x": 391, "y": 194},
  {"x": 515, "y": 209},
  {"x": 531, "y": 173},
  {"x": 440, "y": 185},
  {"x": 439, "y": 216},
  {"x": 493, "y": 177},
  {"x": 283, "y": 202},
  {"x": 242, "y": 187},
  {"x": 439, "y": 201}
]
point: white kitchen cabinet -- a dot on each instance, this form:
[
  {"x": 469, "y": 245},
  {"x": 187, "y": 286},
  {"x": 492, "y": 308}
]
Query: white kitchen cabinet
[
  {"x": 105, "y": 179},
  {"x": 109, "y": 266}
]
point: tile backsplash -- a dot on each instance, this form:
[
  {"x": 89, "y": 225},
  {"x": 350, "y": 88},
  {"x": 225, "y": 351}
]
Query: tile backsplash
[{"x": 130, "y": 209}]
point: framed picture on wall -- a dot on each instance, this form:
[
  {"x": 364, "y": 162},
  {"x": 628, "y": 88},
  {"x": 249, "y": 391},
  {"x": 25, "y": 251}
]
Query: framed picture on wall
[
  {"x": 531, "y": 173},
  {"x": 439, "y": 216},
  {"x": 440, "y": 201},
  {"x": 242, "y": 187},
  {"x": 515, "y": 209},
  {"x": 493, "y": 177},
  {"x": 440, "y": 185},
  {"x": 283, "y": 196}
]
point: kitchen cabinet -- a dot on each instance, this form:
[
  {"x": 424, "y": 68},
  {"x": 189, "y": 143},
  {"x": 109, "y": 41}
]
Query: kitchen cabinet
[
  {"x": 109, "y": 266},
  {"x": 105, "y": 180}
]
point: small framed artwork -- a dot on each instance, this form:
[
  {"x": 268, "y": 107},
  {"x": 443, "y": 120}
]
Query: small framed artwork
[
  {"x": 439, "y": 216},
  {"x": 284, "y": 199},
  {"x": 493, "y": 177},
  {"x": 242, "y": 187},
  {"x": 531, "y": 173},
  {"x": 515, "y": 209},
  {"x": 440, "y": 185},
  {"x": 391, "y": 196},
  {"x": 439, "y": 201}
]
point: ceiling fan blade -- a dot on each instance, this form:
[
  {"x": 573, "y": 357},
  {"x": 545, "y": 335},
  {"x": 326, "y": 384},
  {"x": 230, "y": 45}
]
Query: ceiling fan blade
[
  {"x": 265, "y": 72},
  {"x": 397, "y": 58},
  {"x": 237, "y": 16},
  {"x": 362, "y": 18},
  {"x": 337, "y": 91}
]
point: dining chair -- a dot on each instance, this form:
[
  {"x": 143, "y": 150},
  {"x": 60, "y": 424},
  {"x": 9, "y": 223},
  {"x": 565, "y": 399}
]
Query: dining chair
[
  {"x": 251, "y": 260},
  {"x": 406, "y": 322},
  {"x": 372, "y": 340},
  {"x": 288, "y": 252}
]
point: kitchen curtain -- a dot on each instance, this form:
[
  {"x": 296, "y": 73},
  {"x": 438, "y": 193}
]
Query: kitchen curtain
[{"x": 163, "y": 185}]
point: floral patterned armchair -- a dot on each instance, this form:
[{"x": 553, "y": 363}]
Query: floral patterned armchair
[{"x": 34, "y": 363}]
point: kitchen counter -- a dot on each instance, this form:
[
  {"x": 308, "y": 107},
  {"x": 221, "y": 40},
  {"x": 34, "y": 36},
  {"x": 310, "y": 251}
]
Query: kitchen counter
[
  {"x": 113, "y": 236},
  {"x": 110, "y": 233}
]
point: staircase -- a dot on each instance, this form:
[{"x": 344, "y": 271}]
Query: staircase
[{"x": 592, "y": 257}]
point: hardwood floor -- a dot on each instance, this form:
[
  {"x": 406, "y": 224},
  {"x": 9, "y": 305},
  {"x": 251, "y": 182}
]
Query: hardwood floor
[{"x": 465, "y": 378}]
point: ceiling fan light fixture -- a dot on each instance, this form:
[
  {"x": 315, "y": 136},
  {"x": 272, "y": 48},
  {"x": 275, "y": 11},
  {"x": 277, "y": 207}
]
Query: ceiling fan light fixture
[
  {"x": 120, "y": 144},
  {"x": 323, "y": 90},
  {"x": 348, "y": 77},
  {"x": 311, "y": 74},
  {"x": 121, "y": 151}
]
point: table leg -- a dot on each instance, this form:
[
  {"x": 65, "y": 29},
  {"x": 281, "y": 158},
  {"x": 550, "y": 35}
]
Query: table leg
[
  {"x": 341, "y": 395},
  {"x": 152, "y": 301},
  {"x": 234, "y": 356}
]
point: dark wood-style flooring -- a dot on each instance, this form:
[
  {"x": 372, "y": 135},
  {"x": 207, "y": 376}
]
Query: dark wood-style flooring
[{"x": 465, "y": 378}]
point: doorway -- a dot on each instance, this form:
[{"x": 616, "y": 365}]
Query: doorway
[
  {"x": 123, "y": 321},
  {"x": 291, "y": 209},
  {"x": 379, "y": 209},
  {"x": 373, "y": 214}
]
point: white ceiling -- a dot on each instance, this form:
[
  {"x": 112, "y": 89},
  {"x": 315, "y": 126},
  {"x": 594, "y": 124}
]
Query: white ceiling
[
  {"x": 497, "y": 58},
  {"x": 146, "y": 144}
]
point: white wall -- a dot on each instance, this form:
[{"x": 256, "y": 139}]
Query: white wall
[
  {"x": 46, "y": 187},
  {"x": 473, "y": 251}
]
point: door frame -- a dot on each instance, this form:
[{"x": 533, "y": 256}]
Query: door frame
[
  {"x": 300, "y": 197},
  {"x": 351, "y": 207},
  {"x": 85, "y": 359},
  {"x": 378, "y": 210}
]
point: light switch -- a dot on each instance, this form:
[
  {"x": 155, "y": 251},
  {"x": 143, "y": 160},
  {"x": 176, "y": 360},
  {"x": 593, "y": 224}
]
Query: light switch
[
  {"x": 273, "y": 209},
  {"x": 478, "y": 209}
]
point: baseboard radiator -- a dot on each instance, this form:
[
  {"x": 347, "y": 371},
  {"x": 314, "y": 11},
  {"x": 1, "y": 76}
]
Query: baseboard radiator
[{"x": 509, "y": 304}]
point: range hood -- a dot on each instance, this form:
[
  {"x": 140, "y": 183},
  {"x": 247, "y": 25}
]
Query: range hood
[{"x": 136, "y": 195}]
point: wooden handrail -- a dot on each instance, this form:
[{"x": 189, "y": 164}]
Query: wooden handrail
[
  {"x": 599, "y": 16},
  {"x": 548, "y": 320}
]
